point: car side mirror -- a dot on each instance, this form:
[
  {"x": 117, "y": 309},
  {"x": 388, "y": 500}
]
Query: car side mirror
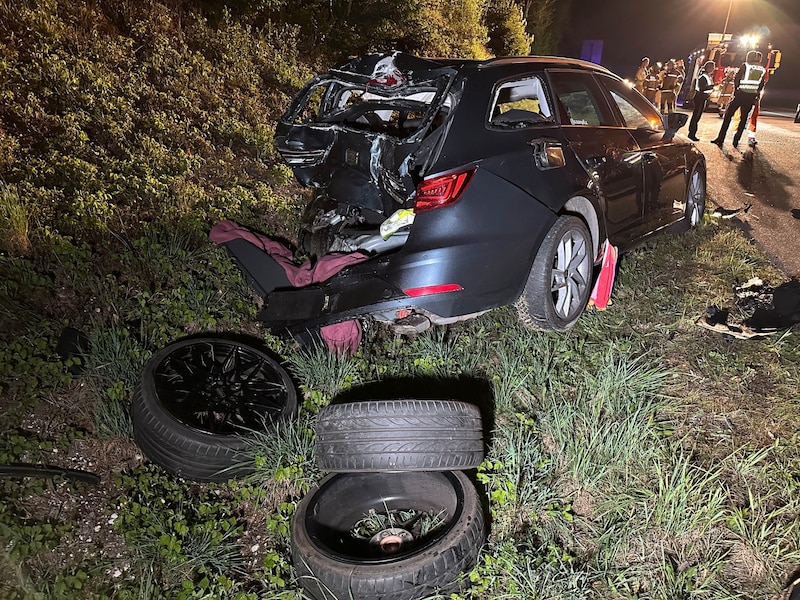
[{"x": 675, "y": 121}]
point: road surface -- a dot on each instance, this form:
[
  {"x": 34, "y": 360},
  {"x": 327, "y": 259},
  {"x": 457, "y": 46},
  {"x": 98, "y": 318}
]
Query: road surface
[{"x": 765, "y": 178}]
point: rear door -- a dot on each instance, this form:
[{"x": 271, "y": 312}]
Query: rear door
[{"x": 607, "y": 151}]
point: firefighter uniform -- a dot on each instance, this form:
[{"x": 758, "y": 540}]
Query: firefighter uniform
[
  {"x": 748, "y": 85},
  {"x": 670, "y": 82},
  {"x": 651, "y": 87},
  {"x": 641, "y": 75}
]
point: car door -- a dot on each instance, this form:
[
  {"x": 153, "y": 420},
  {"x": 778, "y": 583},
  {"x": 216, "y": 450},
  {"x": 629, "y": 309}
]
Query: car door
[
  {"x": 607, "y": 151},
  {"x": 663, "y": 157}
]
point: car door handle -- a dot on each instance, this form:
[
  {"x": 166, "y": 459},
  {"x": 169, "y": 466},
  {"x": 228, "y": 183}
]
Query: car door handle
[{"x": 649, "y": 157}]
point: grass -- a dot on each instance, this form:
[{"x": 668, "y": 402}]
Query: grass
[{"x": 635, "y": 456}]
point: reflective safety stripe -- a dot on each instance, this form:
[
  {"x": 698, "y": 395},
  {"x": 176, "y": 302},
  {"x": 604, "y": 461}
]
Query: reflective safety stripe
[
  {"x": 708, "y": 81},
  {"x": 752, "y": 78}
]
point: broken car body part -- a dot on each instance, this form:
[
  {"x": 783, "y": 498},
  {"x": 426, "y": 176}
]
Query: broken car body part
[{"x": 490, "y": 157}]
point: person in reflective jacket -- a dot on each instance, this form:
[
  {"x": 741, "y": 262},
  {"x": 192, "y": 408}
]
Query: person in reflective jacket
[
  {"x": 748, "y": 85},
  {"x": 702, "y": 90}
]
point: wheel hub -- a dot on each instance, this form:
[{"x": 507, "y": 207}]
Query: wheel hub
[{"x": 391, "y": 540}]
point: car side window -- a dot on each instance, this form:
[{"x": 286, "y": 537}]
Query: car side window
[
  {"x": 637, "y": 113},
  {"x": 520, "y": 103},
  {"x": 580, "y": 100}
]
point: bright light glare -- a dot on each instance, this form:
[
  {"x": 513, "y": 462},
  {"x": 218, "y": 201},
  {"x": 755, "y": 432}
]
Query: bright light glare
[{"x": 751, "y": 41}]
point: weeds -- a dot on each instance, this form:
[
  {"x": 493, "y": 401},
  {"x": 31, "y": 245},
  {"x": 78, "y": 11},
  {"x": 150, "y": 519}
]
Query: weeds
[
  {"x": 632, "y": 457},
  {"x": 322, "y": 374}
]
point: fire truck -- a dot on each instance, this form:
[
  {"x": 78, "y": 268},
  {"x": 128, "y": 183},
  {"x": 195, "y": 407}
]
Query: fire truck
[{"x": 728, "y": 53}]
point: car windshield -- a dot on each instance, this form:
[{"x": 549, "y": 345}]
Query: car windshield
[{"x": 398, "y": 111}]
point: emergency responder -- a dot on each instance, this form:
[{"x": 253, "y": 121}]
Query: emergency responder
[
  {"x": 753, "y": 124},
  {"x": 748, "y": 84},
  {"x": 641, "y": 75},
  {"x": 669, "y": 84},
  {"x": 651, "y": 86},
  {"x": 702, "y": 90}
]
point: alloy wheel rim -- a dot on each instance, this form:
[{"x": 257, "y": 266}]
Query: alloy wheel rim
[
  {"x": 696, "y": 192},
  {"x": 570, "y": 276},
  {"x": 221, "y": 387}
]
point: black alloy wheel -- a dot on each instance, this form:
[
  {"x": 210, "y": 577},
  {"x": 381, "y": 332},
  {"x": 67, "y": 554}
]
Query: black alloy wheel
[{"x": 197, "y": 401}]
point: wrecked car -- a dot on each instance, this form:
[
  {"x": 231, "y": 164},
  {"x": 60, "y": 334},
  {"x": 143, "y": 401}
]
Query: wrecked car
[{"x": 472, "y": 185}]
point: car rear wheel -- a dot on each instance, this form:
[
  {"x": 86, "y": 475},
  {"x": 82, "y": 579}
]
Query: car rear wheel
[
  {"x": 393, "y": 536},
  {"x": 560, "y": 280},
  {"x": 696, "y": 196},
  {"x": 197, "y": 401}
]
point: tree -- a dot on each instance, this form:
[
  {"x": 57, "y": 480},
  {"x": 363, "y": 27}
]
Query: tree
[
  {"x": 507, "y": 29},
  {"x": 546, "y": 20}
]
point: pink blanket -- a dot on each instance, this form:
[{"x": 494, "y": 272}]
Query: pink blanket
[
  {"x": 299, "y": 275},
  {"x": 340, "y": 338}
]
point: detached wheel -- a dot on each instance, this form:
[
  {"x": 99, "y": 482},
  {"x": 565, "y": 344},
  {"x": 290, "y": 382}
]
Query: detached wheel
[
  {"x": 560, "y": 280},
  {"x": 696, "y": 196},
  {"x": 387, "y": 536},
  {"x": 399, "y": 435},
  {"x": 199, "y": 399}
]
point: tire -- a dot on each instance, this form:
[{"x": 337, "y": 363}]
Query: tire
[
  {"x": 399, "y": 435},
  {"x": 696, "y": 196},
  {"x": 196, "y": 401},
  {"x": 560, "y": 281},
  {"x": 331, "y": 562}
]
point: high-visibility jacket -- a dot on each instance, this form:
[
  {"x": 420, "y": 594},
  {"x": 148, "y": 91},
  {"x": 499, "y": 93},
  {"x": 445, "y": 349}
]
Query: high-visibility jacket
[
  {"x": 704, "y": 84},
  {"x": 750, "y": 81}
]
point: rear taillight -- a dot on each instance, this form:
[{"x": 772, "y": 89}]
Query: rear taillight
[
  {"x": 430, "y": 290},
  {"x": 441, "y": 191}
]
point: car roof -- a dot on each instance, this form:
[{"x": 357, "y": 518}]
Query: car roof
[{"x": 365, "y": 64}]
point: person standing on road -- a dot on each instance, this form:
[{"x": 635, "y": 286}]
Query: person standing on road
[
  {"x": 702, "y": 90},
  {"x": 748, "y": 85},
  {"x": 669, "y": 83},
  {"x": 641, "y": 75},
  {"x": 651, "y": 87},
  {"x": 753, "y": 124}
]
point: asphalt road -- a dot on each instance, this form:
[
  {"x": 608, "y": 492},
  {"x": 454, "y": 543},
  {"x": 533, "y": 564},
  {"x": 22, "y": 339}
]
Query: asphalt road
[{"x": 762, "y": 182}]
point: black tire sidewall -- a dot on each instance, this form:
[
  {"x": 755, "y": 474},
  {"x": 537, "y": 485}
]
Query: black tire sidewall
[
  {"x": 421, "y": 574},
  {"x": 399, "y": 435},
  {"x": 535, "y": 305}
]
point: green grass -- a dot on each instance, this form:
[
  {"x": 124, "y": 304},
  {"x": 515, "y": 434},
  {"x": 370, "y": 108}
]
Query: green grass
[{"x": 635, "y": 456}]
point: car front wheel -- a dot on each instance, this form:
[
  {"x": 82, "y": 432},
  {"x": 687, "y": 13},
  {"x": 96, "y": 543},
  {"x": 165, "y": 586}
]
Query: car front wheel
[
  {"x": 696, "y": 196},
  {"x": 560, "y": 280}
]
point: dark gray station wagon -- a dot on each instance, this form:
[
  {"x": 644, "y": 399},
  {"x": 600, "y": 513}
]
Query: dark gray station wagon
[{"x": 472, "y": 185}]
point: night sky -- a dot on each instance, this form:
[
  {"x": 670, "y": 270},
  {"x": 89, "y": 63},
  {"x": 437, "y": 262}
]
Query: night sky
[{"x": 663, "y": 29}]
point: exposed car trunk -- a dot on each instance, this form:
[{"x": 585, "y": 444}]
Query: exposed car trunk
[{"x": 364, "y": 135}]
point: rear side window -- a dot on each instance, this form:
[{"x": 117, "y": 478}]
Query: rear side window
[
  {"x": 520, "y": 103},
  {"x": 580, "y": 100}
]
